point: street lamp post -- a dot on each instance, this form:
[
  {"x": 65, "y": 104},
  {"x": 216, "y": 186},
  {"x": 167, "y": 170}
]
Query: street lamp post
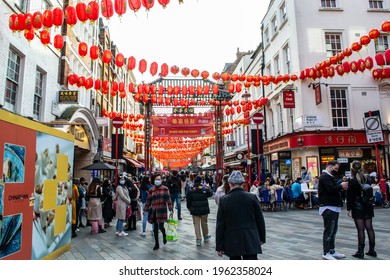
[{"x": 246, "y": 96}]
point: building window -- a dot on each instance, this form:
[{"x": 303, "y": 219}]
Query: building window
[
  {"x": 21, "y": 5},
  {"x": 45, "y": 5},
  {"x": 381, "y": 44},
  {"x": 333, "y": 44},
  {"x": 376, "y": 4},
  {"x": 339, "y": 107},
  {"x": 283, "y": 12},
  {"x": 277, "y": 65},
  {"x": 266, "y": 37},
  {"x": 287, "y": 57},
  {"x": 280, "y": 111},
  {"x": 274, "y": 24},
  {"x": 12, "y": 82},
  {"x": 38, "y": 94},
  {"x": 328, "y": 3}
]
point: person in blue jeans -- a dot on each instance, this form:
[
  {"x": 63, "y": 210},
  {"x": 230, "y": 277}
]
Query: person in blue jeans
[
  {"x": 174, "y": 186},
  {"x": 144, "y": 188}
]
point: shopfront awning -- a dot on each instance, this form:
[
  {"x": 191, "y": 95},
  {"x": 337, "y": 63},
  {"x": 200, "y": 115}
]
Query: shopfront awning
[{"x": 134, "y": 162}]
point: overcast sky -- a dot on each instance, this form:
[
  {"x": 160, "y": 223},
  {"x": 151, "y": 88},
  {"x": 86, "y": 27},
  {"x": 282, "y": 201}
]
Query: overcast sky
[{"x": 198, "y": 34}]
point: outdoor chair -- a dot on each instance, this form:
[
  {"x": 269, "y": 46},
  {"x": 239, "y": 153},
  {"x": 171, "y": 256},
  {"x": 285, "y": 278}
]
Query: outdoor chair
[
  {"x": 279, "y": 199},
  {"x": 265, "y": 199}
]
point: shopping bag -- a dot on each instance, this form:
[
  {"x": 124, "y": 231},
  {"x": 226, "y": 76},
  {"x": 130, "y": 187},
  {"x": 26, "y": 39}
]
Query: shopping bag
[{"x": 172, "y": 230}]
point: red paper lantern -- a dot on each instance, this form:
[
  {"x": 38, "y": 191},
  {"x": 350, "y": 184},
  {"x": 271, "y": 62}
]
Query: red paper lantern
[
  {"x": 120, "y": 7},
  {"x": 119, "y": 60},
  {"x": 114, "y": 86},
  {"x": 106, "y": 85},
  {"x": 163, "y": 3},
  {"x": 361, "y": 65},
  {"x": 380, "y": 59},
  {"x": 175, "y": 69},
  {"x": 88, "y": 83},
  {"x": 331, "y": 71},
  {"x": 153, "y": 68},
  {"x": 176, "y": 90},
  {"x": 121, "y": 87},
  {"x": 356, "y": 46},
  {"x": 387, "y": 56},
  {"x": 374, "y": 34},
  {"x": 83, "y": 49},
  {"x": 148, "y": 4},
  {"x": 365, "y": 40},
  {"x": 354, "y": 67},
  {"x": 134, "y": 5},
  {"x": 204, "y": 74},
  {"x": 164, "y": 69},
  {"x": 81, "y": 12},
  {"x": 386, "y": 26},
  {"x": 184, "y": 90},
  {"x": 81, "y": 81},
  {"x": 142, "y": 65},
  {"x": 28, "y": 21},
  {"x": 206, "y": 89},
  {"x": 58, "y": 42},
  {"x": 70, "y": 15},
  {"x": 131, "y": 63},
  {"x": 185, "y": 71},
  {"x": 216, "y": 76},
  {"x": 347, "y": 52},
  {"x": 94, "y": 52},
  {"x": 161, "y": 89},
  {"x": 238, "y": 109},
  {"x": 199, "y": 89},
  {"x": 20, "y": 22},
  {"x": 293, "y": 77},
  {"x": 107, "y": 8},
  {"x": 369, "y": 63},
  {"x": 377, "y": 74},
  {"x": 92, "y": 11},
  {"x": 215, "y": 89},
  {"x": 37, "y": 20},
  {"x": 225, "y": 77},
  {"x": 58, "y": 16},
  {"x": 29, "y": 34},
  {"x": 340, "y": 70},
  {"x": 231, "y": 88},
  {"x": 195, "y": 73},
  {"x": 98, "y": 84},
  {"x": 107, "y": 56},
  {"x": 242, "y": 78},
  {"x": 238, "y": 87},
  {"x": 47, "y": 19},
  {"x": 44, "y": 37},
  {"x": 11, "y": 22},
  {"x": 249, "y": 78},
  {"x": 131, "y": 87}
]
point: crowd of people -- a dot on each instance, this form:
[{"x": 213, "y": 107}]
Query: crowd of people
[{"x": 240, "y": 226}]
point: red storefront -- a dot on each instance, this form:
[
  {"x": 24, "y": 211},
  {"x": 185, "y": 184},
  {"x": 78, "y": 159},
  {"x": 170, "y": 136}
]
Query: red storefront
[{"x": 313, "y": 149}]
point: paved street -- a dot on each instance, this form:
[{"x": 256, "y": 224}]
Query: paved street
[{"x": 292, "y": 235}]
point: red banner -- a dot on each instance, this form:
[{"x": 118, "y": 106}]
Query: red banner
[
  {"x": 289, "y": 99},
  {"x": 183, "y": 126}
]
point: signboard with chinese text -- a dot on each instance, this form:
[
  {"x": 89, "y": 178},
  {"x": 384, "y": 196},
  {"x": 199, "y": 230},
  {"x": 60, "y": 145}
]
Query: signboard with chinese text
[
  {"x": 231, "y": 143},
  {"x": 138, "y": 148},
  {"x": 317, "y": 91},
  {"x": 183, "y": 126},
  {"x": 68, "y": 96},
  {"x": 182, "y": 110},
  {"x": 351, "y": 153}
]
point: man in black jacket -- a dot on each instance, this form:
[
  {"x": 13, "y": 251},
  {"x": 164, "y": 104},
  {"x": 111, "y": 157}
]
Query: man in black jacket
[
  {"x": 240, "y": 228},
  {"x": 330, "y": 200},
  {"x": 198, "y": 205},
  {"x": 174, "y": 186}
]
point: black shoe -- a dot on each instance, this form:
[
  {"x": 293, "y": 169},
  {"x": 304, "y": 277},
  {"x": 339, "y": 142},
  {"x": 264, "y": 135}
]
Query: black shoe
[
  {"x": 101, "y": 230},
  {"x": 81, "y": 225},
  {"x": 371, "y": 253},
  {"x": 165, "y": 239},
  {"x": 359, "y": 255},
  {"x": 74, "y": 235},
  {"x": 156, "y": 247},
  {"x": 180, "y": 218}
]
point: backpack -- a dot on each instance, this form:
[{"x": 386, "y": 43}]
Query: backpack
[{"x": 367, "y": 195}]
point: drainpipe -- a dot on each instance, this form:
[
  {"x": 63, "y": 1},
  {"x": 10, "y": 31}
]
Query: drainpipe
[{"x": 62, "y": 64}]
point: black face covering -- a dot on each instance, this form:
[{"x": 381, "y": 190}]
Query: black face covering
[{"x": 334, "y": 172}]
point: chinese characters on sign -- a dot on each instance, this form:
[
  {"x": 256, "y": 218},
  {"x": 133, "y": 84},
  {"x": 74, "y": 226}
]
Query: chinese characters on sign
[
  {"x": 180, "y": 110},
  {"x": 183, "y": 126},
  {"x": 68, "y": 96},
  {"x": 288, "y": 99}
]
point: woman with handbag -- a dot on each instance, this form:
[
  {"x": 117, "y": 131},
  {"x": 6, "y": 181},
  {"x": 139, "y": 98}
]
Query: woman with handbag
[
  {"x": 158, "y": 200},
  {"x": 361, "y": 214},
  {"x": 123, "y": 202}
]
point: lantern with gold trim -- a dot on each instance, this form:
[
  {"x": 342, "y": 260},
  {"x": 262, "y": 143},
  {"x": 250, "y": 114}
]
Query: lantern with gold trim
[
  {"x": 81, "y": 12},
  {"x": 58, "y": 42}
]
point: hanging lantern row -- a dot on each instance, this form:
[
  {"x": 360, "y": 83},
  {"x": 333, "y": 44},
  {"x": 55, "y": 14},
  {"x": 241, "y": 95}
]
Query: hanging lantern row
[{"x": 381, "y": 74}]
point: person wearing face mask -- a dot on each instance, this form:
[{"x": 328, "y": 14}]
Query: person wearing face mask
[
  {"x": 156, "y": 206},
  {"x": 330, "y": 202},
  {"x": 123, "y": 201}
]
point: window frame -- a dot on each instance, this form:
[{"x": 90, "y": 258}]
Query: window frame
[
  {"x": 372, "y": 3},
  {"x": 12, "y": 83},
  {"x": 333, "y": 49},
  {"x": 39, "y": 93},
  {"x": 339, "y": 107},
  {"x": 287, "y": 58},
  {"x": 328, "y": 4}
]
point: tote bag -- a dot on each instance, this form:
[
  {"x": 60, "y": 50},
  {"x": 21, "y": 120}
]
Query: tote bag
[{"x": 172, "y": 229}]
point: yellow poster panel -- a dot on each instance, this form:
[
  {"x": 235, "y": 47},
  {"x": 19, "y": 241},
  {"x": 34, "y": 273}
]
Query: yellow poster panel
[
  {"x": 60, "y": 219},
  {"x": 62, "y": 168},
  {"x": 49, "y": 194}
]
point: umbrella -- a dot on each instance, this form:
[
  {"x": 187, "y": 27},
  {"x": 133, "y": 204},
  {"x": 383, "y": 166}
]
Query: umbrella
[
  {"x": 209, "y": 168},
  {"x": 99, "y": 166}
]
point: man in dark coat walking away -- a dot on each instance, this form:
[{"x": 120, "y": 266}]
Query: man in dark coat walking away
[
  {"x": 198, "y": 205},
  {"x": 240, "y": 223},
  {"x": 174, "y": 186}
]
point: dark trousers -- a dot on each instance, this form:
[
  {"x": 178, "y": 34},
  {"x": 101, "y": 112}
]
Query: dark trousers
[
  {"x": 244, "y": 257},
  {"x": 331, "y": 220},
  {"x": 158, "y": 226}
]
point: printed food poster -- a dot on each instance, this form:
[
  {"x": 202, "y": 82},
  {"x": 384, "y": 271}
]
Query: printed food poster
[{"x": 13, "y": 163}]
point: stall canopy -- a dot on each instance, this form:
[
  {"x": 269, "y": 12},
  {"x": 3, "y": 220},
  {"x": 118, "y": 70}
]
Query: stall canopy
[
  {"x": 134, "y": 162},
  {"x": 99, "y": 166}
]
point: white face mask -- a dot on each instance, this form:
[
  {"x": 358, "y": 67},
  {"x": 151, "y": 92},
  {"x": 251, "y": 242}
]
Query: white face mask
[
  {"x": 122, "y": 182},
  {"x": 157, "y": 182}
]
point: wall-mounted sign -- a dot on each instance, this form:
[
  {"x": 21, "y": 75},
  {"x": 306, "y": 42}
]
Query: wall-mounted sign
[
  {"x": 180, "y": 110},
  {"x": 288, "y": 99},
  {"x": 351, "y": 153},
  {"x": 312, "y": 120},
  {"x": 68, "y": 96},
  {"x": 317, "y": 91},
  {"x": 230, "y": 143},
  {"x": 102, "y": 121}
]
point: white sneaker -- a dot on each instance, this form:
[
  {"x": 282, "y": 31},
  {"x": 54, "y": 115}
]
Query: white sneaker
[
  {"x": 122, "y": 233},
  {"x": 142, "y": 233},
  {"x": 117, "y": 232},
  {"x": 338, "y": 255},
  {"x": 328, "y": 256}
]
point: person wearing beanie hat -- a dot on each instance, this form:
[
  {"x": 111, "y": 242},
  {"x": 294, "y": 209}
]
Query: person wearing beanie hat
[
  {"x": 239, "y": 215},
  {"x": 198, "y": 205}
]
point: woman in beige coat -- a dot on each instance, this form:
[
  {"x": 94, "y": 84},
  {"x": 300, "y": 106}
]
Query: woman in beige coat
[{"x": 123, "y": 201}]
